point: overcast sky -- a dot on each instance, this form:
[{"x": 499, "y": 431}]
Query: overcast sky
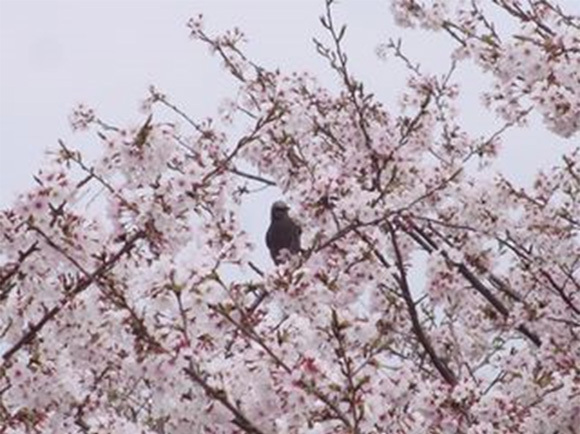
[{"x": 55, "y": 54}]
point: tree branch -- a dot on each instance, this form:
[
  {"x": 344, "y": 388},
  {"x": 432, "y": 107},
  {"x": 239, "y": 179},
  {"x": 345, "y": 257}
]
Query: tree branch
[
  {"x": 240, "y": 420},
  {"x": 401, "y": 279},
  {"x": 475, "y": 282},
  {"x": 82, "y": 285}
]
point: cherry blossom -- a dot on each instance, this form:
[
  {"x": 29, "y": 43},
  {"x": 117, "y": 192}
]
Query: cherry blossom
[{"x": 131, "y": 301}]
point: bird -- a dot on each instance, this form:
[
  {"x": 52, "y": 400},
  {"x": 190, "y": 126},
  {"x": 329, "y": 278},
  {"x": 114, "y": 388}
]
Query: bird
[{"x": 283, "y": 233}]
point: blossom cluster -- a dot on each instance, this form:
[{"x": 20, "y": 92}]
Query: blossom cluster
[{"x": 535, "y": 67}]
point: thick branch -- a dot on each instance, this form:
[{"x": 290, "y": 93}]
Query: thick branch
[
  {"x": 475, "y": 282},
  {"x": 401, "y": 279}
]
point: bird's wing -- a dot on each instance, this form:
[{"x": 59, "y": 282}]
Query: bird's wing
[
  {"x": 295, "y": 241},
  {"x": 269, "y": 238}
]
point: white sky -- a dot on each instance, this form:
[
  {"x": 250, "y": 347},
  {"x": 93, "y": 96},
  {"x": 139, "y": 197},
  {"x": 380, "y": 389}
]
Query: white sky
[{"x": 56, "y": 53}]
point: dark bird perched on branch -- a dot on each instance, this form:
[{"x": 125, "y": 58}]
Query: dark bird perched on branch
[{"x": 283, "y": 233}]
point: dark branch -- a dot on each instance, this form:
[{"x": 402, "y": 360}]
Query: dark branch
[
  {"x": 475, "y": 282},
  {"x": 401, "y": 279}
]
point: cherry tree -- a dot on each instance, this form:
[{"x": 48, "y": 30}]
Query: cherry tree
[{"x": 141, "y": 310}]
